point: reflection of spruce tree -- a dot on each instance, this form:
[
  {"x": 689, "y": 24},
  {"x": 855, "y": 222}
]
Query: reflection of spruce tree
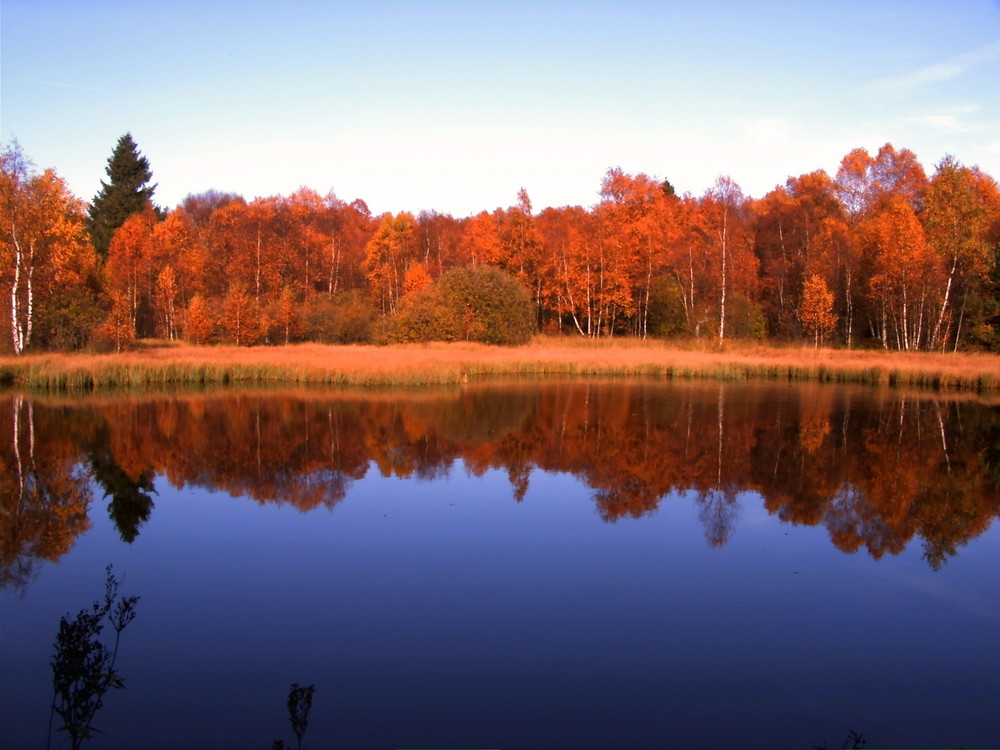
[{"x": 131, "y": 503}]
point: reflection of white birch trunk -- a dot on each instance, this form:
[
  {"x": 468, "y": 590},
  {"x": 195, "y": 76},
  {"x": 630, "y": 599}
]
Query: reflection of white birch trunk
[
  {"x": 944, "y": 441},
  {"x": 722, "y": 406},
  {"x": 719, "y": 507},
  {"x": 31, "y": 432},
  {"x": 23, "y": 473},
  {"x": 17, "y": 442},
  {"x": 257, "y": 430}
]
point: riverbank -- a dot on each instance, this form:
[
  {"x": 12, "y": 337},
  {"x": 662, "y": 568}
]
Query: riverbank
[{"x": 158, "y": 363}]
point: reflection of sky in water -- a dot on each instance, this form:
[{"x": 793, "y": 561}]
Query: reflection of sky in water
[{"x": 445, "y": 614}]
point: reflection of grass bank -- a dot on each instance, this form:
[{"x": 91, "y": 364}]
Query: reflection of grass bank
[{"x": 448, "y": 364}]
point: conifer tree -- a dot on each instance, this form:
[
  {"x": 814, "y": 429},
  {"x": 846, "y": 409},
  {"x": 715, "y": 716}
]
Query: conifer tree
[{"x": 125, "y": 193}]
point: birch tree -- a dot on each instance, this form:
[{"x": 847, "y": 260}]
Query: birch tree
[
  {"x": 961, "y": 208},
  {"x": 43, "y": 246},
  {"x": 725, "y": 225}
]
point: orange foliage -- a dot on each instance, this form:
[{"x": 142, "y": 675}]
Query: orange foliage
[{"x": 909, "y": 261}]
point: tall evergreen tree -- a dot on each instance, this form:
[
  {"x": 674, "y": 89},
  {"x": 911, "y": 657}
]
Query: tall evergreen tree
[{"x": 125, "y": 193}]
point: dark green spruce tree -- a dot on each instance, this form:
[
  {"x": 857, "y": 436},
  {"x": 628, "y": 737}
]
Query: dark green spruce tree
[{"x": 125, "y": 193}]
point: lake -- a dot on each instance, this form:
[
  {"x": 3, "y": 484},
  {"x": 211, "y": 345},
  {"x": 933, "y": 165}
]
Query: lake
[{"x": 554, "y": 565}]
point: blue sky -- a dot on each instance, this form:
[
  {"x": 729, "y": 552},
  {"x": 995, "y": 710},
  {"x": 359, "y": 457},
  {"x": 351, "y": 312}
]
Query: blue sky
[{"x": 454, "y": 106}]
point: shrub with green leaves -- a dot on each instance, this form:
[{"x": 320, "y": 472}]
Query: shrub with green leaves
[
  {"x": 346, "y": 318},
  {"x": 475, "y": 303}
]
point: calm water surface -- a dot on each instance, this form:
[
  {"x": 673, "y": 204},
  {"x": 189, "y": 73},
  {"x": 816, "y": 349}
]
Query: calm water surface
[{"x": 560, "y": 565}]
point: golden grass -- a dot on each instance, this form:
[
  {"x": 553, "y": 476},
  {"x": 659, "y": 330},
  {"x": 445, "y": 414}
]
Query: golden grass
[{"x": 448, "y": 364}]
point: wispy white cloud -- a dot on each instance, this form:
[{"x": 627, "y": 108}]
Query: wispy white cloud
[
  {"x": 902, "y": 84},
  {"x": 952, "y": 121}
]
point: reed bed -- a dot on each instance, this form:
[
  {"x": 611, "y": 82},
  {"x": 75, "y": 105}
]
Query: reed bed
[{"x": 453, "y": 364}]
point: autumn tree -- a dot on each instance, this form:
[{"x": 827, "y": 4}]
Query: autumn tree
[
  {"x": 567, "y": 238},
  {"x": 388, "y": 255},
  {"x": 689, "y": 263},
  {"x": 117, "y": 330},
  {"x": 636, "y": 224},
  {"x": 614, "y": 259},
  {"x": 439, "y": 236},
  {"x": 176, "y": 242},
  {"x": 285, "y": 316},
  {"x": 480, "y": 241},
  {"x": 126, "y": 192},
  {"x": 854, "y": 183},
  {"x": 521, "y": 247},
  {"x": 308, "y": 235},
  {"x": 904, "y": 275},
  {"x": 416, "y": 278},
  {"x": 871, "y": 189},
  {"x": 43, "y": 247},
  {"x": 837, "y": 262},
  {"x": 240, "y": 319},
  {"x": 816, "y": 309},
  {"x": 351, "y": 227},
  {"x": 898, "y": 173},
  {"x": 792, "y": 234},
  {"x": 243, "y": 242},
  {"x": 733, "y": 265},
  {"x": 130, "y": 271},
  {"x": 199, "y": 325},
  {"x": 165, "y": 302},
  {"x": 201, "y": 206},
  {"x": 962, "y": 206}
]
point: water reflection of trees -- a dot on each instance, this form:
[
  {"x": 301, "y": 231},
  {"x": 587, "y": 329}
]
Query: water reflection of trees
[
  {"x": 876, "y": 470},
  {"x": 44, "y": 492}
]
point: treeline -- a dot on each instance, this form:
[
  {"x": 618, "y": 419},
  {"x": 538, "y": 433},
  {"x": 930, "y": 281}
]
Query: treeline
[
  {"x": 876, "y": 471},
  {"x": 878, "y": 255}
]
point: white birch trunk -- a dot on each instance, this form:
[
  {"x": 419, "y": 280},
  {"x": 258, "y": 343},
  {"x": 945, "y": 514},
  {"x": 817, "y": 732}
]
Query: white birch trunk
[
  {"x": 722, "y": 297},
  {"x": 15, "y": 328},
  {"x": 944, "y": 305}
]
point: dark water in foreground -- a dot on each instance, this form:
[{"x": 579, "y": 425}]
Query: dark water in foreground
[{"x": 583, "y": 565}]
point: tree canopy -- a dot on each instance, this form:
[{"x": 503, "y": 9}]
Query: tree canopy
[
  {"x": 46, "y": 265},
  {"x": 125, "y": 193},
  {"x": 881, "y": 254}
]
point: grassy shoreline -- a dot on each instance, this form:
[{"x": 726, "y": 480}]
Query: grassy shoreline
[{"x": 159, "y": 364}]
